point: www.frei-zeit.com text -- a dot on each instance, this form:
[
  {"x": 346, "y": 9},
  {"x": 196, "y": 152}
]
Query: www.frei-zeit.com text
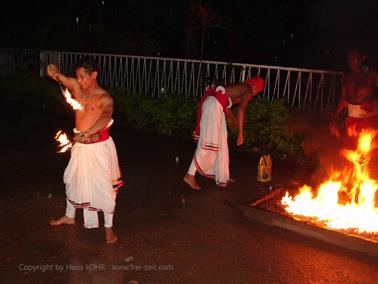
[{"x": 94, "y": 267}]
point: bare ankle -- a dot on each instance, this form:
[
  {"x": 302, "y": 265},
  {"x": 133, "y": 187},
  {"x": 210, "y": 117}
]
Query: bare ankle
[{"x": 110, "y": 236}]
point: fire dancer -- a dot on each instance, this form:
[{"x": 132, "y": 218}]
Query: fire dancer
[
  {"x": 92, "y": 176},
  {"x": 241, "y": 94},
  {"x": 359, "y": 96},
  {"x": 211, "y": 156}
]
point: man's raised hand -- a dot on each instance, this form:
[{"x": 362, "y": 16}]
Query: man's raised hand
[{"x": 52, "y": 71}]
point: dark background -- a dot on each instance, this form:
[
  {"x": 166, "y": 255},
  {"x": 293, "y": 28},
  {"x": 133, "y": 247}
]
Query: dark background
[{"x": 313, "y": 34}]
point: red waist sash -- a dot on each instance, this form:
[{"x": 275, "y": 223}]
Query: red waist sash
[
  {"x": 220, "y": 96},
  {"x": 104, "y": 135}
]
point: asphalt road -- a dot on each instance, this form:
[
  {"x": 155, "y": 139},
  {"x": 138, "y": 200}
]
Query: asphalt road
[{"x": 167, "y": 232}]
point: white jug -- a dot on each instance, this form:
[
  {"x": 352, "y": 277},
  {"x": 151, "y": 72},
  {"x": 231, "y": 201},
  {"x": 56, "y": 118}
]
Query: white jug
[{"x": 264, "y": 169}]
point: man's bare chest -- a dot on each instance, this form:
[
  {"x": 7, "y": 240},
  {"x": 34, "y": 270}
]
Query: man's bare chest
[
  {"x": 359, "y": 81},
  {"x": 91, "y": 105}
]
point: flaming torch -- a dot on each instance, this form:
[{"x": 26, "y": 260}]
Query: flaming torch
[
  {"x": 65, "y": 143},
  {"x": 60, "y": 136},
  {"x": 74, "y": 103}
]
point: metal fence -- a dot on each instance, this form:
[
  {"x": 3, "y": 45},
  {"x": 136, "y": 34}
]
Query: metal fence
[
  {"x": 302, "y": 88},
  {"x": 12, "y": 59}
]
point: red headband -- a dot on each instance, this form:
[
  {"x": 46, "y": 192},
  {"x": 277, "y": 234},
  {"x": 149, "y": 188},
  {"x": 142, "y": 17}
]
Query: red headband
[{"x": 258, "y": 82}]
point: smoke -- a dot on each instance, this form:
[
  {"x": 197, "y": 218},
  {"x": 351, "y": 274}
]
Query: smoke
[{"x": 318, "y": 143}]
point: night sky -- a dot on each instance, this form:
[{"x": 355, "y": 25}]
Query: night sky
[{"x": 312, "y": 34}]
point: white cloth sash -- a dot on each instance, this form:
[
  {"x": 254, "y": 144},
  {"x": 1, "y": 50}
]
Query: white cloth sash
[
  {"x": 91, "y": 176},
  {"x": 211, "y": 156},
  {"x": 356, "y": 111}
]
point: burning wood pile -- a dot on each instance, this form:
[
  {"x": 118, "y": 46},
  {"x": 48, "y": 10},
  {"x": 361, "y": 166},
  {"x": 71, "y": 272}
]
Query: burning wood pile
[{"x": 346, "y": 202}]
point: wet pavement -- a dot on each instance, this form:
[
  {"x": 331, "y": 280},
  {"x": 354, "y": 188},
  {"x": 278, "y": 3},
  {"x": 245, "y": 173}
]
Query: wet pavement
[{"x": 167, "y": 232}]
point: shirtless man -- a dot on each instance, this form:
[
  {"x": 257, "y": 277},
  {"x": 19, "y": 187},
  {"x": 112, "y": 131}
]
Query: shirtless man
[
  {"x": 359, "y": 96},
  {"x": 211, "y": 156},
  {"x": 241, "y": 94},
  {"x": 93, "y": 157}
]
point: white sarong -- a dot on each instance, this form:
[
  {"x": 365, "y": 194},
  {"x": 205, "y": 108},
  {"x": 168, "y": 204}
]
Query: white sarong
[
  {"x": 356, "y": 111},
  {"x": 93, "y": 177},
  {"x": 211, "y": 157}
]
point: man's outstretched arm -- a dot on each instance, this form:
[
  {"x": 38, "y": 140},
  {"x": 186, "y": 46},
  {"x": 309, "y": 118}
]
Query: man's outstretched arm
[{"x": 68, "y": 82}]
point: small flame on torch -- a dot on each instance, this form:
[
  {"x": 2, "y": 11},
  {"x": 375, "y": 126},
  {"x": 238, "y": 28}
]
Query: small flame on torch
[
  {"x": 74, "y": 103},
  {"x": 65, "y": 143}
]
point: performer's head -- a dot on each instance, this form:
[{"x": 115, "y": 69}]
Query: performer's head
[
  {"x": 356, "y": 59},
  {"x": 257, "y": 85},
  {"x": 86, "y": 72}
]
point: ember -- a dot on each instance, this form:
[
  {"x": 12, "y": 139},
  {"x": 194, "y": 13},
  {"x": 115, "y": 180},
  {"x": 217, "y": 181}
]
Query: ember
[{"x": 347, "y": 200}]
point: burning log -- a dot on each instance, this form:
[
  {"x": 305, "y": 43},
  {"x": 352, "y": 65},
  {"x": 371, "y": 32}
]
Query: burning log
[
  {"x": 347, "y": 201},
  {"x": 360, "y": 243},
  {"x": 343, "y": 210},
  {"x": 268, "y": 196}
]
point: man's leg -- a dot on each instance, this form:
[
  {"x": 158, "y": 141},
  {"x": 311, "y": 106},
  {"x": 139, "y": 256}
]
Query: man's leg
[
  {"x": 190, "y": 179},
  {"x": 90, "y": 219},
  {"x": 108, "y": 224},
  {"x": 69, "y": 218},
  {"x": 192, "y": 168},
  {"x": 70, "y": 210}
]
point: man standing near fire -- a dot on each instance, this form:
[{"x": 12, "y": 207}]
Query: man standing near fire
[
  {"x": 359, "y": 98},
  {"x": 92, "y": 176},
  {"x": 211, "y": 156}
]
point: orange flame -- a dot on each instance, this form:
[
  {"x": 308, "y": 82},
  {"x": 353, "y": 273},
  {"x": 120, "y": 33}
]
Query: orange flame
[
  {"x": 61, "y": 137},
  {"x": 65, "y": 143},
  {"x": 347, "y": 199},
  {"x": 74, "y": 103}
]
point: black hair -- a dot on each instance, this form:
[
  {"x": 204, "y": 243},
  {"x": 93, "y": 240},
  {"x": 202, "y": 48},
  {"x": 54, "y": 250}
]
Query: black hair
[
  {"x": 357, "y": 48},
  {"x": 88, "y": 64}
]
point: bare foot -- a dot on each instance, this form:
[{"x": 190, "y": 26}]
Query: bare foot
[
  {"x": 110, "y": 237},
  {"x": 62, "y": 220},
  {"x": 222, "y": 185},
  {"x": 191, "y": 181}
]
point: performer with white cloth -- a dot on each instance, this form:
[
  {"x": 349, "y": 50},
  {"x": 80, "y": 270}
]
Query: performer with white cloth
[
  {"x": 211, "y": 156},
  {"x": 359, "y": 97},
  {"x": 92, "y": 176},
  {"x": 93, "y": 192}
]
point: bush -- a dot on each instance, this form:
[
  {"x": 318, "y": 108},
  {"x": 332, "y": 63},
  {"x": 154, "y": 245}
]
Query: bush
[
  {"x": 175, "y": 116},
  {"x": 134, "y": 109},
  {"x": 171, "y": 115},
  {"x": 26, "y": 89},
  {"x": 265, "y": 121},
  {"x": 265, "y": 124}
]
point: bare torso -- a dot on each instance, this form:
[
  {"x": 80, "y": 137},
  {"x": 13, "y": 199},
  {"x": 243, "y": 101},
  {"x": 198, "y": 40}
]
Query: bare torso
[
  {"x": 238, "y": 92},
  {"x": 360, "y": 87},
  {"x": 92, "y": 103}
]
